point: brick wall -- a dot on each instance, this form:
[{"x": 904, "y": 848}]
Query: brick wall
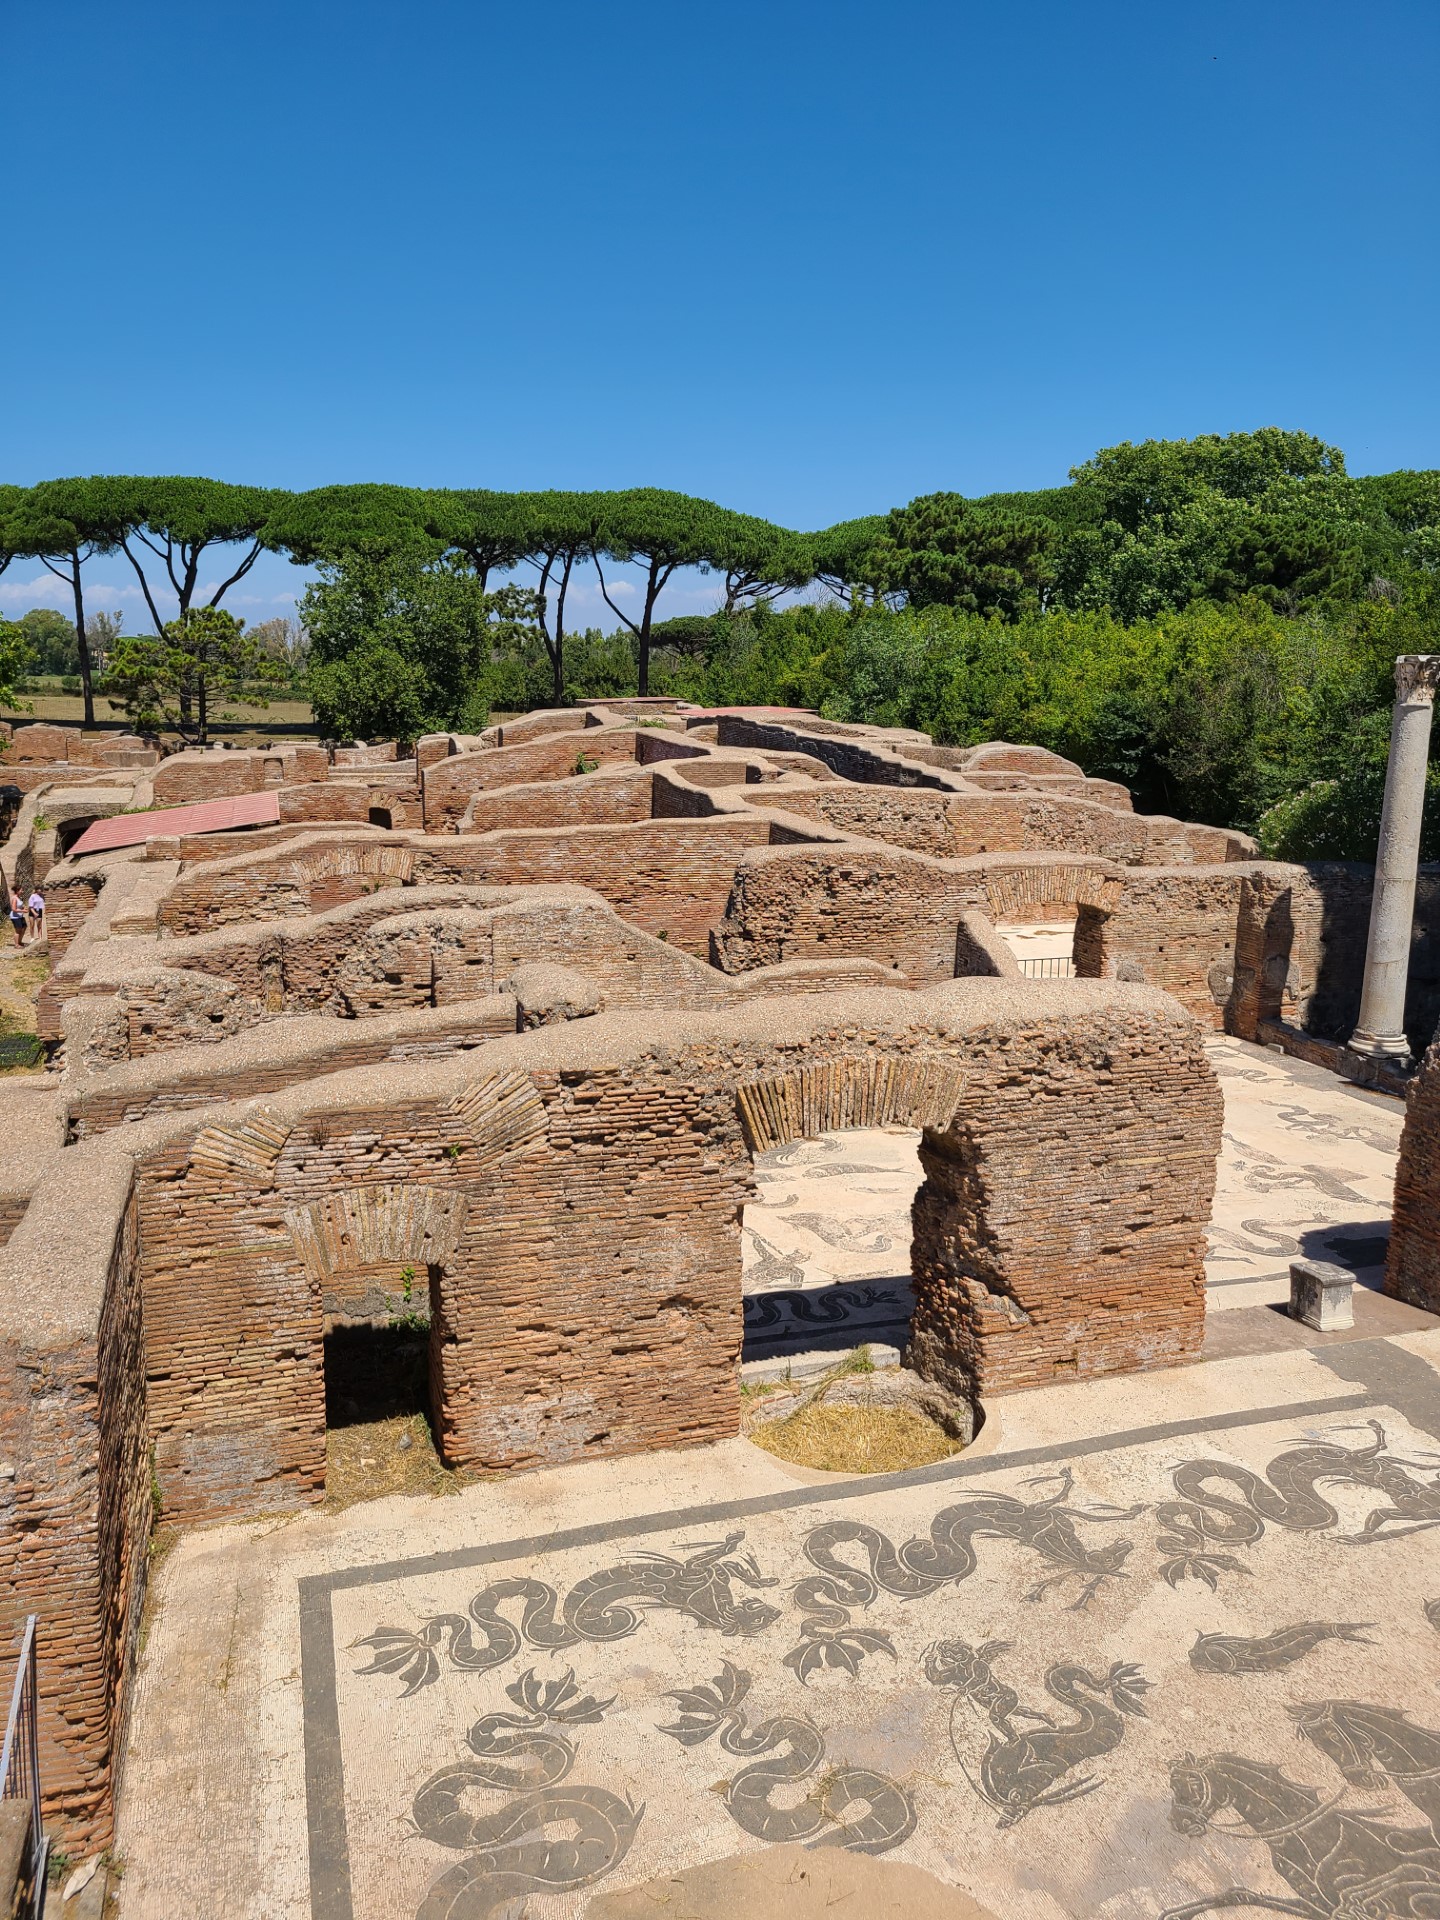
[
  {"x": 1412, "y": 1269},
  {"x": 668, "y": 876},
  {"x": 450, "y": 783}
]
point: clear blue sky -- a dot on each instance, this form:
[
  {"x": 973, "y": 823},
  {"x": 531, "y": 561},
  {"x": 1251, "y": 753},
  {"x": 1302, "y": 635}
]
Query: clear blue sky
[{"x": 805, "y": 257}]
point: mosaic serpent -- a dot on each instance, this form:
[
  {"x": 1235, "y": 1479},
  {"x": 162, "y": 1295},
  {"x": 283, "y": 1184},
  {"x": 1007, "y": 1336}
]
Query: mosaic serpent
[
  {"x": 823, "y": 1818},
  {"x": 1340, "y": 1865},
  {"x": 1025, "y": 1768},
  {"x": 817, "y": 1305},
  {"x": 595, "y": 1609},
  {"x": 511, "y": 1851},
  {"x": 921, "y": 1566},
  {"x": 1287, "y": 1496}
]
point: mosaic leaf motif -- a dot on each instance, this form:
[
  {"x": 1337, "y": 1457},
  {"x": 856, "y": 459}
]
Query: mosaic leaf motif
[
  {"x": 843, "y": 1647},
  {"x": 1025, "y": 1767},
  {"x": 511, "y": 1850},
  {"x": 825, "y": 1817},
  {"x": 1232, "y": 1653},
  {"x": 1340, "y": 1865},
  {"x": 597, "y": 1608},
  {"x": 1288, "y": 1496}
]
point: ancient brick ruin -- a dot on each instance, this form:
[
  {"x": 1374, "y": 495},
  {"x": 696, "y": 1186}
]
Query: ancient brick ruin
[{"x": 514, "y": 1015}]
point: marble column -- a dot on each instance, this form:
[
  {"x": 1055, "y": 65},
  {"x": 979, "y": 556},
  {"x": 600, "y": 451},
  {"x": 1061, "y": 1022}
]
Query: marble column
[{"x": 1381, "y": 1032}]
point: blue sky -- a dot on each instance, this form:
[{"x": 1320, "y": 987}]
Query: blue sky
[{"x": 807, "y": 257}]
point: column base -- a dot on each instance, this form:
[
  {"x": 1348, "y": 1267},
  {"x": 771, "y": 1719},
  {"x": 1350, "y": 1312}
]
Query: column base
[{"x": 1392, "y": 1048}]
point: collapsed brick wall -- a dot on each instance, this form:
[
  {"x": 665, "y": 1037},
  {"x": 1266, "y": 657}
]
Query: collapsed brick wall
[
  {"x": 381, "y": 955},
  {"x": 1412, "y": 1267}
]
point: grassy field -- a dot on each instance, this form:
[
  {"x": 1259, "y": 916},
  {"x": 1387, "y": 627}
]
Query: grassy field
[{"x": 69, "y": 708}]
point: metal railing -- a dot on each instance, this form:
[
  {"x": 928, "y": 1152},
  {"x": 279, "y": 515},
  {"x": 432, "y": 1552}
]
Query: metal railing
[
  {"x": 1057, "y": 967},
  {"x": 20, "y": 1778}
]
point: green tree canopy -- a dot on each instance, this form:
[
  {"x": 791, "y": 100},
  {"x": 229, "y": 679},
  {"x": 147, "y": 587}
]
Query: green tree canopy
[
  {"x": 401, "y": 646},
  {"x": 943, "y": 551},
  {"x": 659, "y": 532}
]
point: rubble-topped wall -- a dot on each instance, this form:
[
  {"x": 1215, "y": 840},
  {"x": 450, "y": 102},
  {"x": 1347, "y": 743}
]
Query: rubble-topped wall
[
  {"x": 955, "y": 826},
  {"x": 671, "y": 877}
]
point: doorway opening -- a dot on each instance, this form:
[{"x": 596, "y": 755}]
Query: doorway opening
[
  {"x": 1044, "y": 949},
  {"x": 826, "y": 1253},
  {"x": 380, "y": 816},
  {"x": 380, "y": 1425}
]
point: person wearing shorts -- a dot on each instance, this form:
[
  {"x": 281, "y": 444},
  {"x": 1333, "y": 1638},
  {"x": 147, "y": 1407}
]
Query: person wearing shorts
[
  {"x": 17, "y": 918},
  {"x": 36, "y": 907}
]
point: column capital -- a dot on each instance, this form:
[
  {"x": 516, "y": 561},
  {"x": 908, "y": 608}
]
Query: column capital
[{"x": 1417, "y": 676}]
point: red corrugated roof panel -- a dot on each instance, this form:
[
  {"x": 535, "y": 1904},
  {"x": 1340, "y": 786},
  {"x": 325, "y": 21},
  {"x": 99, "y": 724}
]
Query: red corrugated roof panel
[{"x": 210, "y": 816}]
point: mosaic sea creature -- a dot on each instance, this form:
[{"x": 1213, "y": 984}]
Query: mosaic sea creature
[
  {"x": 1232, "y": 1653},
  {"x": 1372, "y": 1745},
  {"x": 1340, "y": 1865},
  {"x": 1287, "y": 1496},
  {"x": 595, "y": 1609},
  {"x": 920, "y": 1566},
  {"x": 825, "y": 1817},
  {"x": 813, "y": 1304},
  {"x": 511, "y": 1851},
  {"x": 1025, "y": 1768}
]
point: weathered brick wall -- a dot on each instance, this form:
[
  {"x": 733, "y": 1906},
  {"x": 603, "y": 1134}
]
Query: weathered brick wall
[
  {"x": 670, "y": 877},
  {"x": 1173, "y": 928},
  {"x": 76, "y": 1498},
  {"x": 956, "y": 826},
  {"x": 870, "y": 902},
  {"x": 351, "y": 801},
  {"x": 291, "y": 1050},
  {"x": 844, "y": 750},
  {"x": 1412, "y": 1267},
  {"x": 216, "y": 774},
  {"x": 449, "y": 784},
  {"x": 575, "y": 1195},
  {"x": 608, "y": 796},
  {"x": 1301, "y": 949}
]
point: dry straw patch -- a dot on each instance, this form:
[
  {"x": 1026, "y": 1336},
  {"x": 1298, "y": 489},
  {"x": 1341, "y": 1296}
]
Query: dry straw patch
[{"x": 852, "y": 1421}]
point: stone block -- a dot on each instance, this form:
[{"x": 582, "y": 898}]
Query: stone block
[{"x": 1320, "y": 1295}]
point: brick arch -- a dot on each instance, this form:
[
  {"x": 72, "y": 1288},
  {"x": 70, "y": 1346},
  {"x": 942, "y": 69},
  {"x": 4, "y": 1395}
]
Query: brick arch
[
  {"x": 1021, "y": 892},
  {"x": 867, "y": 1090},
  {"x": 334, "y": 863},
  {"x": 367, "y": 1226}
]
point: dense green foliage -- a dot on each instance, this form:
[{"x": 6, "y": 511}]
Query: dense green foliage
[
  {"x": 1212, "y": 621},
  {"x": 401, "y": 646}
]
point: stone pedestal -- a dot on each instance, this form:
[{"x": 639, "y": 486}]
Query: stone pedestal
[
  {"x": 1322, "y": 1295},
  {"x": 1381, "y": 1030}
]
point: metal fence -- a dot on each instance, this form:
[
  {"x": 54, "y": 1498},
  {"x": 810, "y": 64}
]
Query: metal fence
[
  {"x": 20, "y": 1778},
  {"x": 1058, "y": 967}
]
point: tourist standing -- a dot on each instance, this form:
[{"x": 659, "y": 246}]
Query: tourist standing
[
  {"x": 36, "y": 905},
  {"x": 17, "y": 918}
]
